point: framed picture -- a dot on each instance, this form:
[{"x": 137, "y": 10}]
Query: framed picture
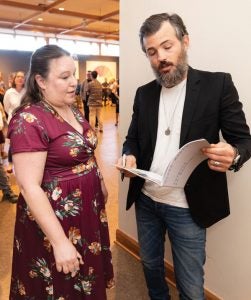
[{"x": 105, "y": 69}]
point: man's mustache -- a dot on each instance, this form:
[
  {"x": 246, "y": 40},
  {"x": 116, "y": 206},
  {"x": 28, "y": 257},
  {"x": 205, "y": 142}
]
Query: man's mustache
[{"x": 164, "y": 64}]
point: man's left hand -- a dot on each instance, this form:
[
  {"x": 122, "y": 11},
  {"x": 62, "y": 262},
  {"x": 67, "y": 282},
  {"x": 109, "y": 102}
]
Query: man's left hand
[{"x": 220, "y": 156}]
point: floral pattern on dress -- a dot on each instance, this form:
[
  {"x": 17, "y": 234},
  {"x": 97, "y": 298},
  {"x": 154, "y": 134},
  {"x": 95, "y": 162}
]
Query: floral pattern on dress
[
  {"x": 84, "y": 168},
  {"x": 66, "y": 206},
  {"x": 29, "y": 118},
  {"x": 103, "y": 217},
  {"x": 76, "y": 144},
  {"x": 39, "y": 268},
  {"x": 20, "y": 288},
  {"x": 75, "y": 236},
  {"x": 26, "y": 215},
  {"x": 85, "y": 283},
  {"x": 95, "y": 248},
  {"x": 47, "y": 244},
  {"x": 95, "y": 204},
  {"x": 69, "y": 205},
  {"x": 18, "y": 244},
  {"x": 92, "y": 137}
]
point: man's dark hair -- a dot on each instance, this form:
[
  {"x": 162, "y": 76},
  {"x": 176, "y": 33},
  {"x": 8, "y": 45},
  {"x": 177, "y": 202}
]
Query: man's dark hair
[
  {"x": 154, "y": 22},
  {"x": 94, "y": 74}
]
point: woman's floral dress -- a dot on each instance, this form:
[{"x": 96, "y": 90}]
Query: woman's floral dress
[{"x": 72, "y": 184}]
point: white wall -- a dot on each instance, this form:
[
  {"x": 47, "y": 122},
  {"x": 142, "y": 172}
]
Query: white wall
[{"x": 220, "y": 41}]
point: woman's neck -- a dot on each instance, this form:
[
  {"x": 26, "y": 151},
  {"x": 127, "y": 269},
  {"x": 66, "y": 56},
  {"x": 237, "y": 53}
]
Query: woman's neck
[{"x": 19, "y": 88}]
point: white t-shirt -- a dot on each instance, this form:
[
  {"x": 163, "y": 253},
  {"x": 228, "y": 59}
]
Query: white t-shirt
[
  {"x": 12, "y": 100},
  {"x": 170, "y": 116}
]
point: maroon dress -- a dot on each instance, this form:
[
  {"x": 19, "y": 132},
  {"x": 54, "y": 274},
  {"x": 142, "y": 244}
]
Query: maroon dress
[{"x": 72, "y": 184}]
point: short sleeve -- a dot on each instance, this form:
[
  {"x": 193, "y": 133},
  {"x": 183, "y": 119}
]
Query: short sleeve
[{"x": 27, "y": 133}]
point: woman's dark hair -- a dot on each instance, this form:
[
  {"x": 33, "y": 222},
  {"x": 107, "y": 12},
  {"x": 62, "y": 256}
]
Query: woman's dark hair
[
  {"x": 154, "y": 22},
  {"x": 13, "y": 83},
  {"x": 39, "y": 65}
]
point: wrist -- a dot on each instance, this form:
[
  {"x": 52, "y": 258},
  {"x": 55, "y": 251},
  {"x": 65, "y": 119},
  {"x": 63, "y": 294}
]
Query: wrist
[{"x": 234, "y": 165}]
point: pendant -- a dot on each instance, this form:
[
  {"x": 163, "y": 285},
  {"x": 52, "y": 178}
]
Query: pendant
[{"x": 167, "y": 131}]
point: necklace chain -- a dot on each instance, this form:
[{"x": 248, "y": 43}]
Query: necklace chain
[{"x": 168, "y": 129}]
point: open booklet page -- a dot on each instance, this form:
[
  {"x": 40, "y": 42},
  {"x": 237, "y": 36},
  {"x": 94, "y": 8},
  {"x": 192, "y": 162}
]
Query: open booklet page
[{"x": 180, "y": 167}]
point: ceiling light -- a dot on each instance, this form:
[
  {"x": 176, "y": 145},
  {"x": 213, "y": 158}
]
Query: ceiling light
[
  {"x": 40, "y": 19},
  {"x": 61, "y": 8}
]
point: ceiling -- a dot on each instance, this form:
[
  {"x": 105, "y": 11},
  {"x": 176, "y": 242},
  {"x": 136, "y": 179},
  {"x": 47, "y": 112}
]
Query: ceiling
[{"x": 98, "y": 19}]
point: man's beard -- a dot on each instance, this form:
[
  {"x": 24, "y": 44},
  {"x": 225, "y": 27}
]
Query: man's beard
[{"x": 172, "y": 78}]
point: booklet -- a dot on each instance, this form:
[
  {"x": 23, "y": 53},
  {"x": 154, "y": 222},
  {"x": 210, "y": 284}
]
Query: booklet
[{"x": 180, "y": 167}]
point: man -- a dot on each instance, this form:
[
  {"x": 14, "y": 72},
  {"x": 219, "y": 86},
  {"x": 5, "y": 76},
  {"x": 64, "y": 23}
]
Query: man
[
  {"x": 94, "y": 90},
  {"x": 84, "y": 96},
  {"x": 181, "y": 105},
  {"x": 105, "y": 88}
]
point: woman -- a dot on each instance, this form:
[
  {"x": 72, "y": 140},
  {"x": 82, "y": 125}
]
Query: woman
[
  {"x": 61, "y": 243},
  {"x": 12, "y": 100},
  {"x": 12, "y": 97}
]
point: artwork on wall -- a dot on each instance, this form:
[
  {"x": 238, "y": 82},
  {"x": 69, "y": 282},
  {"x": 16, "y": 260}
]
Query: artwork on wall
[{"x": 105, "y": 69}]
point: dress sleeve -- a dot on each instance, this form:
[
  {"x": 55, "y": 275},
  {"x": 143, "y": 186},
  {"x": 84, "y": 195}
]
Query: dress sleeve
[{"x": 27, "y": 133}]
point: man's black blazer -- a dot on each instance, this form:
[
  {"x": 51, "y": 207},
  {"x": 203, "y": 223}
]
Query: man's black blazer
[{"x": 211, "y": 106}]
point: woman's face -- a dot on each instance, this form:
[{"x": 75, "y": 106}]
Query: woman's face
[
  {"x": 19, "y": 79},
  {"x": 59, "y": 87}
]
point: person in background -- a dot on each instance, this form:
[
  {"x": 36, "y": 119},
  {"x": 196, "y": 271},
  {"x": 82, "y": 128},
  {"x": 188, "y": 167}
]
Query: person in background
[
  {"x": 113, "y": 90},
  {"x": 10, "y": 79},
  {"x": 117, "y": 105},
  {"x": 61, "y": 240},
  {"x": 7, "y": 192},
  {"x": 181, "y": 105},
  {"x": 78, "y": 99},
  {"x": 94, "y": 89},
  {"x": 3, "y": 120},
  {"x": 12, "y": 100},
  {"x": 84, "y": 95},
  {"x": 2, "y": 88},
  {"x": 3, "y": 124},
  {"x": 105, "y": 93}
]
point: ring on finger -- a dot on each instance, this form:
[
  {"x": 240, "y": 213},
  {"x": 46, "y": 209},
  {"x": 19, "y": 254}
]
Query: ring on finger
[{"x": 216, "y": 163}]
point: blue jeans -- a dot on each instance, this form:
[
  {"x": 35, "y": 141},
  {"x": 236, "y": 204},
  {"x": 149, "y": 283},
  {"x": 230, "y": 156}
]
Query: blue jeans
[{"x": 187, "y": 240}]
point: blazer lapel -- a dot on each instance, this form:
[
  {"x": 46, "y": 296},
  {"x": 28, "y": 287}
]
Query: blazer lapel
[{"x": 191, "y": 100}]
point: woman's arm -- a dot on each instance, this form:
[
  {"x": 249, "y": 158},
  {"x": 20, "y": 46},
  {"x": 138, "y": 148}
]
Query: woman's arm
[{"x": 29, "y": 169}]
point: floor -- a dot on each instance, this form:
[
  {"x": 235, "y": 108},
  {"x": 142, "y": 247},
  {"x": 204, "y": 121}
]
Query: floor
[{"x": 130, "y": 283}]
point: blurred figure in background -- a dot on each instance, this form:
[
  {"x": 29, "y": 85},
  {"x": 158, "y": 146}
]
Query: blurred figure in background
[
  {"x": 84, "y": 95},
  {"x": 12, "y": 100},
  {"x": 2, "y": 87},
  {"x": 94, "y": 90},
  {"x": 105, "y": 89}
]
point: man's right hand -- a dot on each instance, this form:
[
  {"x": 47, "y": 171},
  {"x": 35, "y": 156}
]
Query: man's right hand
[{"x": 129, "y": 161}]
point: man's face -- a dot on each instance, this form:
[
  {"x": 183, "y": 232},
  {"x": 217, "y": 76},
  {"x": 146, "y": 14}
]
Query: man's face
[
  {"x": 89, "y": 75},
  {"x": 167, "y": 55}
]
